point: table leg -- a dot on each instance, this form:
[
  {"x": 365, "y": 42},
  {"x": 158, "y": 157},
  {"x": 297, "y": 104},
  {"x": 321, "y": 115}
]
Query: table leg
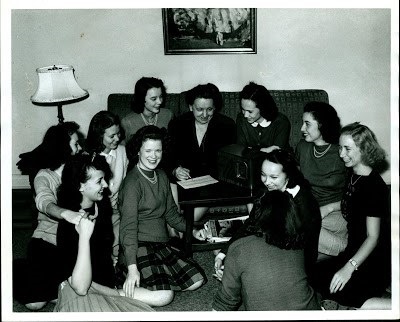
[{"x": 188, "y": 212}]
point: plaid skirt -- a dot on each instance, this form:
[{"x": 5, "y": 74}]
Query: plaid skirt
[
  {"x": 163, "y": 267},
  {"x": 98, "y": 299}
]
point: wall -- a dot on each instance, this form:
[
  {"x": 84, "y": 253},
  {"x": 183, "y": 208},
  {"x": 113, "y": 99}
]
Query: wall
[{"x": 344, "y": 51}]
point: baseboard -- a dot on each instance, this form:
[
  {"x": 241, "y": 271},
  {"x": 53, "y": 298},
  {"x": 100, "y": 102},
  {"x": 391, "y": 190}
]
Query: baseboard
[{"x": 20, "y": 181}]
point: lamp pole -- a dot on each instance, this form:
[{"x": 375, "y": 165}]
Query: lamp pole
[{"x": 60, "y": 114}]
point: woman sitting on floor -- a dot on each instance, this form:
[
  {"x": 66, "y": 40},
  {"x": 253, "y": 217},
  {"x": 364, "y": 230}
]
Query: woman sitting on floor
[
  {"x": 154, "y": 270},
  {"x": 265, "y": 271},
  {"x": 85, "y": 248}
]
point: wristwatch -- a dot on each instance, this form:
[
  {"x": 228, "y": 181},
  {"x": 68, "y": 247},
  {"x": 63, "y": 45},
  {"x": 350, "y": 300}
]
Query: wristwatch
[{"x": 354, "y": 263}]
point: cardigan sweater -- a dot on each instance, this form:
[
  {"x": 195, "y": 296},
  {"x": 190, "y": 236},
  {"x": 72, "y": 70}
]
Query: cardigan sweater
[
  {"x": 264, "y": 278},
  {"x": 145, "y": 209},
  {"x": 308, "y": 210},
  {"x": 46, "y": 184},
  {"x": 277, "y": 133}
]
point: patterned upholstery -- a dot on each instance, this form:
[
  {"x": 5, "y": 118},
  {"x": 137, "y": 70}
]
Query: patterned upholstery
[{"x": 289, "y": 102}]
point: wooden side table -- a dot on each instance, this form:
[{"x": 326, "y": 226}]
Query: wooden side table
[{"x": 217, "y": 194}]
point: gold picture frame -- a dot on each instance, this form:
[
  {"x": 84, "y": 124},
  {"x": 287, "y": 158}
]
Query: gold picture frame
[{"x": 209, "y": 31}]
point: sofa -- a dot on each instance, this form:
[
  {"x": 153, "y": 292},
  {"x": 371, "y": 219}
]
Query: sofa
[{"x": 289, "y": 102}]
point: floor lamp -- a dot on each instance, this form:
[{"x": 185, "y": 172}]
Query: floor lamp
[{"x": 57, "y": 87}]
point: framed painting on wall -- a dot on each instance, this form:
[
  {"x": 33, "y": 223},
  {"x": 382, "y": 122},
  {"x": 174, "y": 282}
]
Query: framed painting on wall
[{"x": 209, "y": 31}]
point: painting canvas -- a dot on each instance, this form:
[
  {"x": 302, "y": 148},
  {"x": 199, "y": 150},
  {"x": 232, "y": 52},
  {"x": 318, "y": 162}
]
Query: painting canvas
[{"x": 209, "y": 30}]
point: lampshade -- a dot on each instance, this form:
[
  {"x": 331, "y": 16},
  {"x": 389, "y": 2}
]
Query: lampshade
[{"x": 57, "y": 84}]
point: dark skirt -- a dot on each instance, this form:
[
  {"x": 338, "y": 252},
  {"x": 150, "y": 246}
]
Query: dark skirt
[
  {"x": 36, "y": 278},
  {"x": 163, "y": 267},
  {"x": 98, "y": 299}
]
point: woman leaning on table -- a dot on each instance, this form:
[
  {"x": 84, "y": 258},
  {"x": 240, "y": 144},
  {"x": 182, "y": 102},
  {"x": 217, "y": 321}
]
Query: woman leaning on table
[
  {"x": 360, "y": 274},
  {"x": 318, "y": 156},
  {"x": 199, "y": 134},
  {"x": 279, "y": 171}
]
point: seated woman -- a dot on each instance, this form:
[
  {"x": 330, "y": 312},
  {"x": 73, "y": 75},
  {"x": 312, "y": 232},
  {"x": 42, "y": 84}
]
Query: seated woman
[
  {"x": 154, "y": 270},
  {"x": 260, "y": 125},
  {"x": 265, "y": 271},
  {"x": 147, "y": 107},
  {"x": 360, "y": 274},
  {"x": 36, "y": 278},
  {"x": 279, "y": 171},
  {"x": 318, "y": 157},
  {"x": 199, "y": 134},
  {"x": 85, "y": 248},
  {"x": 103, "y": 138}
]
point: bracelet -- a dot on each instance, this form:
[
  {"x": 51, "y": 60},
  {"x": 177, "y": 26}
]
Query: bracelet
[{"x": 353, "y": 263}]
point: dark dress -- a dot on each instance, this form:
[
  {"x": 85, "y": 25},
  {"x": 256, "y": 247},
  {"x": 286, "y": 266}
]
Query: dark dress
[
  {"x": 100, "y": 246},
  {"x": 368, "y": 197},
  {"x": 102, "y": 295},
  {"x": 200, "y": 160},
  {"x": 277, "y": 133},
  {"x": 308, "y": 209}
]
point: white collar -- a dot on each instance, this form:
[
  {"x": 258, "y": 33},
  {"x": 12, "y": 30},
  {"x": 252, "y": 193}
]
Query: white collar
[
  {"x": 264, "y": 123},
  {"x": 112, "y": 153},
  {"x": 293, "y": 191}
]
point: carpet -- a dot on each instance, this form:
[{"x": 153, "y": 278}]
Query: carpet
[{"x": 198, "y": 300}]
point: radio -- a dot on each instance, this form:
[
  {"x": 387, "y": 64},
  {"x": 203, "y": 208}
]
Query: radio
[{"x": 240, "y": 166}]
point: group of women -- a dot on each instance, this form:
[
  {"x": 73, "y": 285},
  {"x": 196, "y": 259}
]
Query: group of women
[{"x": 106, "y": 215}]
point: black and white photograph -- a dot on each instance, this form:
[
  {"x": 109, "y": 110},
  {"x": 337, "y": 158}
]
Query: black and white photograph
[{"x": 165, "y": 163}]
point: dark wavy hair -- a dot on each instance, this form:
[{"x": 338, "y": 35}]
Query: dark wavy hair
[
  {"x": 100, "y": 122},
  {"x": 262, "y": 98},
  {"x": 52, "y": 152},
  {"x": 327, "y": 118},
  {"x": 289, "y": 166},
  {"x": 149, "y": 132},
  {"x": 372, "y": 154},
  {"x": 277, "y": 220},
  {"x": 141, "y": 88},
  {"x": 76, "y": 172},
  {"x": 208, "y": 91}
]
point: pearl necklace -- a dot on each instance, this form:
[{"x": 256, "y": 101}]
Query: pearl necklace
[
  {"x": 147, "y": 122},
  {"x": 151, "y": 180},
  {"x": 318, "y": 154}
]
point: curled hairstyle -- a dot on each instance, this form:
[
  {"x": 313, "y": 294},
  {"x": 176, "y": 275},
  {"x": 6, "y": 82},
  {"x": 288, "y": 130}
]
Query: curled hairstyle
[
  {"x": 277, "y": 219},
  {"x": 327, "y": 118},
  {"x": 208, "y": 91},
  {"x": 262, "y": 98},
  {"x": 55, "y": 145},
  {"x": 100, "y": 122},
  {"x": 372, "y": 154},
  {"x": 141, "y": 88},
  {"x": 54, "y": 150},
  {"x": 76, "y": 172},
  {"x": 149, "y": 132},
  {"x": 289, "y": 166}
]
